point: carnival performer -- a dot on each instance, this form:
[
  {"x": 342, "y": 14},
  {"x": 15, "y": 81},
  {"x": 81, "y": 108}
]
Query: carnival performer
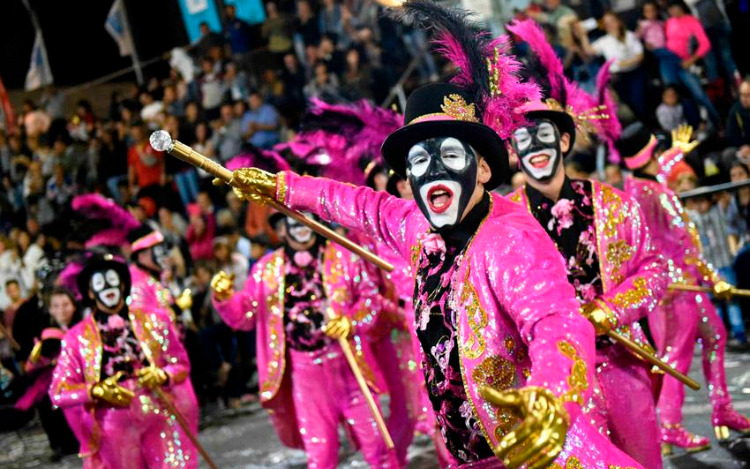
[
  {"x": 109, "y": 364},
  {"x": 683, "y": 317},
  {"x": 306, "y": 383},
  {"x": 614, "y": 267},
  {"x": 501, "y": 335}
]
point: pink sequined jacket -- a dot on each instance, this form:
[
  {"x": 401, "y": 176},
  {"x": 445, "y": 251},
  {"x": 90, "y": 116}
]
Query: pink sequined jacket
[
  {"x": 634, "y": 274},
  {"x": 79, "y": 367},
  {"x": 351, "y": 292},
  {"x": 148, "y": 293},
  {"x": 518, "y": 323},
  {"x": 672, "y": 232}
]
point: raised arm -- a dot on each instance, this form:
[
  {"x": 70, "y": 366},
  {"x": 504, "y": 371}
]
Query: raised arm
[{"x": 239, "y": 310}]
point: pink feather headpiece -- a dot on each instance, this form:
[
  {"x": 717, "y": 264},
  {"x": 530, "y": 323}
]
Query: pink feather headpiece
[{"x": 98, "y": 207}]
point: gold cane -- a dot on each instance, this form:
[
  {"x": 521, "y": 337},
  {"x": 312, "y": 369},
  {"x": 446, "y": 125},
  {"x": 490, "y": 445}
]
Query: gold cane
[
  {"x": 702, "y": 289},
  {"x": 162, "y": 141},
  {"x": 347, "y": 348},
  {"x": 655, "y": 361}
]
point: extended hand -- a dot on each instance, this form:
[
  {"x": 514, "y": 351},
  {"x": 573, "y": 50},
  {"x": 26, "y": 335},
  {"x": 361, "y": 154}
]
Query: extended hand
[
  {"x": 541, "y": 435},
  {"x": 151, "y": 377},
  {"x": 254, "y": 184},
  {"x": 340, "y": 326},
  {"x": 723, "y": 290},
  {"x": 111, "y": 392},
  {"x": 223, "y": 285},
  {"x": 597, "y": 316},
  {"x": 185, "y": 300},
  {"x": 681, "y": 138}
]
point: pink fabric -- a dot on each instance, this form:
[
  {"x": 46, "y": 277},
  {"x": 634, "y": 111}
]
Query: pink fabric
[
  {"x": 147, "y": 293},
  {"x": 652, "y": 33},
  {"x": 260, "y": 306},
  {"x": 681, "y": 31},
  {"x": 682, "y": 317},
  {"x": 150, "y": 240},
  {"x": 642, "y": 158},
  {"x": 326, "y": 393},
  {"x": 201, "y": 246},
  {"x": 624, "y": 380},
  {"x": 513, "y": 301},
  {"x": 108, "y": 435}
]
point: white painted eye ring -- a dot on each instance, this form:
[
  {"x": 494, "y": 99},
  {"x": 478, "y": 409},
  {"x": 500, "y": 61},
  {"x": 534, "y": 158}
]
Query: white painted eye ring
[
  {"x": 97, "y": 281},
  {"x": 112, "y": 278}
]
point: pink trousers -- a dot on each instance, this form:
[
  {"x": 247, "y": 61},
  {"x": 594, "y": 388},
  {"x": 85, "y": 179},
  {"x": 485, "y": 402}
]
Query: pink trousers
[
  {"x": 326, "y": 394},
  {"x": 675, "y": 326},
  {"x": 630, "y": 408},
  {"x": 140, "y": 438}
]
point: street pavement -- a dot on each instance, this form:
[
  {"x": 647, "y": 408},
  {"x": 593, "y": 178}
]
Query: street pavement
[{"x": 245, "y": 439}]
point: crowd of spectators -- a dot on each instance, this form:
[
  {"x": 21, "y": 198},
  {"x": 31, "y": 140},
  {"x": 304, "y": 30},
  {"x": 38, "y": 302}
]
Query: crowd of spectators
[{"x": 246, "y": 87}]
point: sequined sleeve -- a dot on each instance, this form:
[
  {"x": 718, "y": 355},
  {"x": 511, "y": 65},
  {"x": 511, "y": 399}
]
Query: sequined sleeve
[
  {"x": 241, "y": 310},
  {"x": 637, "y": 291},
  {"x": 176, "y": 362},
  {"x": 532, "y": 285},
  {"x": 68, "y": 387},
  {"x": 387, "y": 220}
]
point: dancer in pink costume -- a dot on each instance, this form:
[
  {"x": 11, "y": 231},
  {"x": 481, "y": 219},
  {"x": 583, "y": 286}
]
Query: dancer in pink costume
[
  {"x": 306, "y": 383},
  {"x": 109, "y": 363},
  {"x": 612, "y": 263},
  {"x": 149, "y": 255},
  {"x": 682, "y": 317},
  {"x": 501, "y": 336}
]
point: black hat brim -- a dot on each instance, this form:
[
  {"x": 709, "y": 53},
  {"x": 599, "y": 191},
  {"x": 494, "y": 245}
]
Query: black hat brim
[
  {"x": 84, "y": 277},
  {"x": 483, "y": 139},
  {"x": 274, "y": 218},
  {"x": 563, "y": 121}
]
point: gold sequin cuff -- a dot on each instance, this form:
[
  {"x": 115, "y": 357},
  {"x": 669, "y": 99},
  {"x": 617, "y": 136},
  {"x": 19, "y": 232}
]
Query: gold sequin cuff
[
  {"x": 281, "y": 187},
  {"x": 611, "y": 316}
]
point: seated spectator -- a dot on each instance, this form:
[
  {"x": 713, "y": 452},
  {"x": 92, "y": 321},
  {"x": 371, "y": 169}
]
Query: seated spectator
[
  {"x": 235, "y": 83},
  {"x": 15, "y": 300},
  {"x": 626, "y": 51},
  {"x": 260, "y": 124},
  {"x": 238, "y": 33},
  {"x": 715, "y": 22},
  {"x": 330, "y": 55},
  {"x": 230, "y": 261},
  {"x": 211, "y": 88},
  {"x": 227, "y": 135},
  {"x": 560, "y": 16},
  {"x": 356, "y": 80},
  {"x": 151, "y": 109},
  {"x": 112, "y": 166},
  {"x": 206, "y": 40},
  {"x": 738, "y": 128},
  {"x": 669, "y": 113},
  {"x": 293, "y": 77},
  {"x": 145, "y": 165},
  {"x": 323, "y": 85},
  {"x": 81, "y": 125},
  {"x": 276, "y": 31},
  {"x": 200, "y": 234},
  {"x": 738, "y": 210},
  {"x": 306, "y": 27}
]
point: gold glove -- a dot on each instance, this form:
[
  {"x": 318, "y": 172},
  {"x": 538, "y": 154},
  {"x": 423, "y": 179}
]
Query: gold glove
[
  {"x": 541, "y": 435},
  {"x": 223, "y": 285},
  {"x": 111, "y": 392},
  {"x": 601, "y": 319},
  {"x": 723, "y": 290},
  {"x": 340, "y": 326},
  {"x": 36, "y": 353},
  {"x": 151, "y": 377},
  {"x": 254, "y": 184},
  {"x": 681, "y": 139},
  {"x": 185, "y": 300}
]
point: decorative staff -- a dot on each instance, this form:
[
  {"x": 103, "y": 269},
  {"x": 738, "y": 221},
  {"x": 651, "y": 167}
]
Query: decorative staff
[
  {"x": 701, "y": 289},
  {"x": 162, "y": 141}
]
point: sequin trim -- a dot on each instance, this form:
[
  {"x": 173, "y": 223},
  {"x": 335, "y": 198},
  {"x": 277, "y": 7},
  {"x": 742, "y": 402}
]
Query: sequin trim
[
  {"x": 633, "y": 296},
  {"x": 574, "y": 463},
  {"x": 281, "y": 187},
  {"x": 500, "y": 374},
  {"x": 273, "y": 276},
  {"x": 577, "y": 380}
]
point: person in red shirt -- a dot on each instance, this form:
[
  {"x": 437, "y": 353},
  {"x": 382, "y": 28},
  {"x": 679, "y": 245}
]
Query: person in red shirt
[{"x": 145, "y": 165}]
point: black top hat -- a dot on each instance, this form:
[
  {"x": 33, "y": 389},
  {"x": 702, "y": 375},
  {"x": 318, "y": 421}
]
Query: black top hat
[
  {"x": 97, "y": 263},
  {"x": 144, "y": 237},
  {"x": 633, "y": 140},
  {"x": 445, "y": 110}
]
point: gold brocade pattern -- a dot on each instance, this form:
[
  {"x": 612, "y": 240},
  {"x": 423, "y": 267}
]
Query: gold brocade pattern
[
  {"x": 500, "y": 374},
  {"x": 281, "y": 187},
  {"x": 476, "y": 316},
  {"x": 574, "y": 463},
  {"x": 633, "y": 296},
  {"x": 615, "y": 216},
  {"x": 516, "y": 197},
  {"x": 577, "y": 380},
  {"x": 273, "y": 277},
  {"x": 618, "y": 253}
]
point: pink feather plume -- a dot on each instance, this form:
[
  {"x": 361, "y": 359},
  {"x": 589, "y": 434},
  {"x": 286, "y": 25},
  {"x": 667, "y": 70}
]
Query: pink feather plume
[{"x": 98, "y": 207}]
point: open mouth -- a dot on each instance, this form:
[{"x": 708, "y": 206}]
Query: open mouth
[
  {"x": 439, "y": 198},
  {"x": 539, "y": 160}
]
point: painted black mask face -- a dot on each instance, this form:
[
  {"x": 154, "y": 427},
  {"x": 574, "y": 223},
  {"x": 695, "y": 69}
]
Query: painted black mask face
[
  {"x": 298, "y": 232},
  {"x": 443, "y": 175},
  {"x": 539, "y": 149},
  {"x": 106, "y": 286},
  {"x": 160, "y": 255}
]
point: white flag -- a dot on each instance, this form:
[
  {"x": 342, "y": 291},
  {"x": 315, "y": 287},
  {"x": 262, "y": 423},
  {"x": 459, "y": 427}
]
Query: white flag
[
  {"x": 39, "y": 73},
  {"x": 117, "y": 26}
]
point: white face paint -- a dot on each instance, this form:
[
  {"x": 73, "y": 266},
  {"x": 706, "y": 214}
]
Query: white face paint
[
  {"x": 442, "y": 199},
  {"x": 539, "y": 152},
  {"x": 297, "y": 231}
]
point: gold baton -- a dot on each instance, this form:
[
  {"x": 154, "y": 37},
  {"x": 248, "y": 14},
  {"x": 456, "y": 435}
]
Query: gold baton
[
  {"x": 702, "y": 289},
  {"x": 162, "y": 141},
  {"x": 655, "y": 361}
]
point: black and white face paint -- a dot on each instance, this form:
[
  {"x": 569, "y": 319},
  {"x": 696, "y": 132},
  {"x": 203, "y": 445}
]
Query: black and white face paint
[
  {"x": 160, "y": 255},
  {"x": 298, "y": 232},
  {"x": 538, "y": 148},
  {"x": 443, "y": 175},
  {"x": 106, "y": 287}
]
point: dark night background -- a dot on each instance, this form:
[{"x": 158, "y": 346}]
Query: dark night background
[{"x": 78, "y": 47}]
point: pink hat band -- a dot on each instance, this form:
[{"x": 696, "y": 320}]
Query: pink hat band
[{"x": 641, "y": 158}]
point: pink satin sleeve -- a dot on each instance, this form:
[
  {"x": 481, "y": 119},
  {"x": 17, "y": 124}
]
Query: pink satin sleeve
[
  {"x": 383, "y": 218},
  {"x": 240, "y": 310},
  {"x": 68, "y": 387}
]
